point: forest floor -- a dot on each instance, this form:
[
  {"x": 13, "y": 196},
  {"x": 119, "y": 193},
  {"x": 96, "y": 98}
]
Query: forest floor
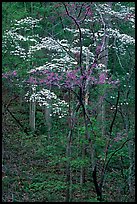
[
  {"x": 31, "y": 173},
  {"x": 35, "y": 170}
]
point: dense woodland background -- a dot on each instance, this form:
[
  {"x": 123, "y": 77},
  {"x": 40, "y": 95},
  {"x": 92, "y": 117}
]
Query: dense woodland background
[{"x": 68, "y": 102}]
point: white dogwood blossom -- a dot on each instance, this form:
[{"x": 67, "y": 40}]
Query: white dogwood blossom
[{"x": 58, "y": 107}]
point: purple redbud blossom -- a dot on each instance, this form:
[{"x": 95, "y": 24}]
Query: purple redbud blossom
[
  {"x": 102, "y": 78},
  {"x": 81, "y": 77},
  {"x": 98, "y": 49},
  {"x": 4, "y": 76},
  {"x": 9, "y": 74},
  {"x": 92, "y": 79},
  {"x": 73, "y": 5},
  {"x": 88, "y": 11},
  {"x": 32, "y": 80},
  {"x": 42, "y": 81},
  {"x": 94, "y": 65},
  {"x": 14, "y": 73}
]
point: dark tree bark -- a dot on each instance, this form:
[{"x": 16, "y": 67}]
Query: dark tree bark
[{"x": 97, "y": 187}]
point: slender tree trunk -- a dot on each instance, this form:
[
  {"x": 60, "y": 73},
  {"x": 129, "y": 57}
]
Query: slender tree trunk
[
  {"x": 131, "y": 158},
  {"x": 68, "y": 168},
  {"x": 48, "y": 119},
  {"x": 32, "y": 115},
  {"x": 131, "y": 167},
  {"x": 83, "y": 170},
  {"x": 97, "y": 187},
  {"x": 103, "y": 59},
  {"x": 68, "y": 153},
  {"x": 32, "y": 111},
  {"x": 87, "y": 81}
]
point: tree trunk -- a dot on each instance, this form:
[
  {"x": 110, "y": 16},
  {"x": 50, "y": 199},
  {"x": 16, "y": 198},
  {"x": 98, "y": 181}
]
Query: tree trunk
[
  {"x": 103, "y": 59},
  {"x": 97, "y": 187},
  {"x": 131, "y": 167},
  {"x": 48, "y": 119},
  {"x": 68, "y": 153},
  {"x": 131, "y": 151},
  {"x": 32, "y": 111},
  {"x": 68, "y": 168},
  {"x": 83, "y": 170}
]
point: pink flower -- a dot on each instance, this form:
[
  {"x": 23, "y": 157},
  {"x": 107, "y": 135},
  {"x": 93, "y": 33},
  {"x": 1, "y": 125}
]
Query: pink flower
[
  {"x": 42, "y": 81},
  {"x": 14, "y": 73},
  {"x": 94, "y": 65},
  {"x": 73, "y": 5},
  {"x": 4, "y": 76},
  {"x": 98, "y": 49},
  {"x": 32, "y": 80},
  {"x": 102, "y": 78}
]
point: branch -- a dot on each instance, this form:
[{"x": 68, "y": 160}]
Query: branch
[
  {"x": 103, "y": 22},
  {"x": 105, "y": 168},
  {"x": 6, "y": 106},
  {"x": 117, "y": 151},
  {"x": 111, "y": 126},
  {"x": 80, "y": 37},
  {"x": 63, "y": 47},
  {"x": 98, "y": 190},
  {"x": 18, "y": 122},
  {"x": 84, "y": 110},
  {"x": 80, "y": 10}
]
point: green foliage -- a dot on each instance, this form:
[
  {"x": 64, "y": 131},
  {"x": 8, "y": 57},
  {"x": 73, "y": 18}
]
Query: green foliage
[{"x": 77, "y": 163}]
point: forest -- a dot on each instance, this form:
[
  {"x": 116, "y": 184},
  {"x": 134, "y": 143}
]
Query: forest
[{"x": 68, "y": 102}]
